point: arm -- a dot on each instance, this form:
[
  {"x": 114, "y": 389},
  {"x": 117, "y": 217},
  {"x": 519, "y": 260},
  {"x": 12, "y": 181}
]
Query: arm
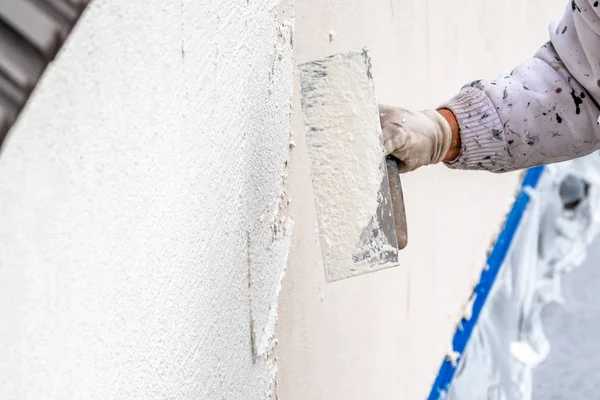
[{"x": 545, "y": 111}]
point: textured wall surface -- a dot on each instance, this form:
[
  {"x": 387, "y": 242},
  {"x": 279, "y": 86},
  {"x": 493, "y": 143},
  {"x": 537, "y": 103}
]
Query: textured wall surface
[
  {"x": 383, "y": 336},
  {"x": 141, "y": 247}
]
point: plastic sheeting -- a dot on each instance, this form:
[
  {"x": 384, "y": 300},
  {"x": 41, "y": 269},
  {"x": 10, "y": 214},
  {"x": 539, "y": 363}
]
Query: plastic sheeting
[{"x": 508, "y": 341}]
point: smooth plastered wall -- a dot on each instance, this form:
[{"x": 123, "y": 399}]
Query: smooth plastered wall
[
  {"x": 384, "y": 336},
  {"x": 141, "y": 241}
]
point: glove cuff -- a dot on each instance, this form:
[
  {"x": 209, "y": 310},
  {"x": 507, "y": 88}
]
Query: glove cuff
[{"x": 443, "y": 136}]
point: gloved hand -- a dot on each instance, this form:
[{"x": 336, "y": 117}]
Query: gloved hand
[{"x": 415, "y": 138}]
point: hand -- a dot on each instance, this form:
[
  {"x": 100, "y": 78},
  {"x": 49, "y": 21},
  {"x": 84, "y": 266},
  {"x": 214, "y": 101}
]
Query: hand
[{"x": 419, "y": 138}]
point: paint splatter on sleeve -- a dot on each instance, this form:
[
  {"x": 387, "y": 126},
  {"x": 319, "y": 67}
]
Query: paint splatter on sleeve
[{"x": 546, "y": 110}]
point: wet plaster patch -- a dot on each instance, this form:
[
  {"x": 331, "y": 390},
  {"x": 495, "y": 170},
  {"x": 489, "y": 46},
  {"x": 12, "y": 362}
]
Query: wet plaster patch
[{"x": 267, "y": 258}]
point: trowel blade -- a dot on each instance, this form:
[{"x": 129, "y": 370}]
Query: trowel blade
[{"x": 348, "y": 166}]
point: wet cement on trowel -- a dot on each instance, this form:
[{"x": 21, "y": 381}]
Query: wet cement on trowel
[{"x": 348, "y": 167}]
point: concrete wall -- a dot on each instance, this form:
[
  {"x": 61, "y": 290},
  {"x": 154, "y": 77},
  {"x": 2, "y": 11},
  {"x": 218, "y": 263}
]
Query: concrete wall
[
  {"x": 383, "y": 336},
  {"x": 144, "y": 212},
  {"x": 140, "y": 244}
]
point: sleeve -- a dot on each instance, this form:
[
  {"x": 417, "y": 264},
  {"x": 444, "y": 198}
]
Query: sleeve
[{"x": 545, "y": 111}]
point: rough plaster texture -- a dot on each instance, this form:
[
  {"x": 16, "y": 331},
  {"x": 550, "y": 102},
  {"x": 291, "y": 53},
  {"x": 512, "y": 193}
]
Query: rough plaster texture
[
  {"x": 384, "y": 335},
  {"x": 141, "y": 242}
]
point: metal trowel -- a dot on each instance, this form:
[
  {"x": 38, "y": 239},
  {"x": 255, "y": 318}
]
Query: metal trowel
[{"x": 357, "y": 190}]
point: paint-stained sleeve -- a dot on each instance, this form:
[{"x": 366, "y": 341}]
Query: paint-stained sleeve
[{"x": 546, "y": 110}]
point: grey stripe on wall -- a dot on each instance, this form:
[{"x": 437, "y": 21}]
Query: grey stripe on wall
[{"x": 31, "y": 33}]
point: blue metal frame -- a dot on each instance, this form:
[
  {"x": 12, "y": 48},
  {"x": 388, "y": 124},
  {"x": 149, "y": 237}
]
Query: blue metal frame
[{"x": 488, "y": 276}]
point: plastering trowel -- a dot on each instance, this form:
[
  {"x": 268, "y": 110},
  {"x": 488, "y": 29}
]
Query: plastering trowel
[{"x": 358, "y": 195}]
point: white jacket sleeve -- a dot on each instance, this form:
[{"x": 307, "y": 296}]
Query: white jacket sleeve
[{"x": 546, "y": 110}]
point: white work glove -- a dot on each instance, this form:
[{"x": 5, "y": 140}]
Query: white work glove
[{"x": 415, "y": 138}]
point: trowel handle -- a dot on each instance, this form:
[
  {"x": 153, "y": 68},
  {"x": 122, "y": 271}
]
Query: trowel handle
[{"x": 397, "y": 202}]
